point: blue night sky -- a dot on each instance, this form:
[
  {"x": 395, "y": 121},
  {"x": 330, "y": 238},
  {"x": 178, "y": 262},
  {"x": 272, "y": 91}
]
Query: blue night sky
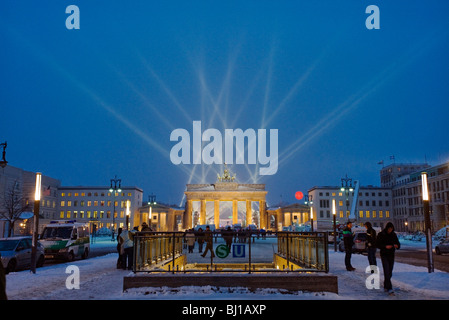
[{"x": 85, "y": 105}]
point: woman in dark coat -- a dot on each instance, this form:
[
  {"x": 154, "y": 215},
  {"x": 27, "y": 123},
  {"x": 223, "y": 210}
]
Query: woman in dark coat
[{"x": 387, "y": 242}]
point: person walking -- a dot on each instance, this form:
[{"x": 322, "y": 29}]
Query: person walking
[
  {"x": 348, "y": 239},
  {"x": 126, "y": 240},
  {"x": 120, "y": 250},
  {"x": 200, "y": 239},
  {"x": 228, "y": 235},
  {"x": 208, "y": 238},
  {"x": 190, "y": 239},
  {"x": 388, "y": 243},
  {"x": 371, "y": 245}
]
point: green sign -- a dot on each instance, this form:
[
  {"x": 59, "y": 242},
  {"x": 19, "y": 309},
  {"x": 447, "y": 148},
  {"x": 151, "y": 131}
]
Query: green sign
[{"x": 222, "y": 251}]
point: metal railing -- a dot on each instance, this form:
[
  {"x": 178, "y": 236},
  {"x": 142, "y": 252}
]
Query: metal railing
[
  {"x": 274, "y": 252},
  {"x": 155, "y": 249},
  {"x": 306, "y": 249}
]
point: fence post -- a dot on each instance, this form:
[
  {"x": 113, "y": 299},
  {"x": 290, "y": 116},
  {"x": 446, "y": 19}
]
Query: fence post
[{"x": 173, "y": 245}]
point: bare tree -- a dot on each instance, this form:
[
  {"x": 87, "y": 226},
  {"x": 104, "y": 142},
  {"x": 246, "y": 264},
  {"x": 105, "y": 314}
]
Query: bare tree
[{"x": 12, "y": 204}]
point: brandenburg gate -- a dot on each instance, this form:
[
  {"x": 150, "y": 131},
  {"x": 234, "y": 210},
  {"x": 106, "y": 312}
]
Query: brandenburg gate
[{"x": 225, "y": 203}]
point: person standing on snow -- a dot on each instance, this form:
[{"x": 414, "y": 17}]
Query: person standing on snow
[
  {"x": 348, "y": 239},
  {"x": 371, "y": 245},
  {"x": 127, "y": 242},
  {"x": 387, "y": 242}
]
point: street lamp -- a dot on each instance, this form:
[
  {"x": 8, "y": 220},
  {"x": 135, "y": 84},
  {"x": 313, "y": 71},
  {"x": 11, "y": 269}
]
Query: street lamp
[
  {"x": 346, "y": 187},
  {"x": 334, "y": 213},
  {"x": 114, "y": 189},
  {"x": 426, "y": 209},
  {"x": 128, "y": 202},
  {"x": 3, "y": 162},
  {"x": 37, "y": 200},
  {"x": 311, "y": 217},
  {"x": 309, "y": 202},
  {"x": 151, "y": 202}
]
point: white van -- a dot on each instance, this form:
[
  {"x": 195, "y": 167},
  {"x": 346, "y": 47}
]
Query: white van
[{"x": 66, "y": 240}]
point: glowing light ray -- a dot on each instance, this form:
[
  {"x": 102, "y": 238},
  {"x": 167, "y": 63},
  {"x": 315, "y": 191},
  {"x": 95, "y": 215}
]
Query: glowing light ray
[
  {"x": 352, "y": 102},
  {"x": 145, "y": 99},
  {"x": 51, "y": 61},
  {"x": 166, "y": 89}
]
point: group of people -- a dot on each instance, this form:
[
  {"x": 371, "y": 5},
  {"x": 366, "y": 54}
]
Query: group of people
[
  {"x": 125, "y": 246},
  {"x": 201, "y": 237},
  {"x": 386, "y": 241}
]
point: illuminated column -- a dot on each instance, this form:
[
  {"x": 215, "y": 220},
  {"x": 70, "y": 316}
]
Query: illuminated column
[
  {"x": 203, "y": 212},
  {"x": 234, "y": 211},
  {"x": 263, "y": 215},
  {"x": 217, "y": 213},
  {"x": 249, "y": 214},
  {"x": 188, "y": 218}
]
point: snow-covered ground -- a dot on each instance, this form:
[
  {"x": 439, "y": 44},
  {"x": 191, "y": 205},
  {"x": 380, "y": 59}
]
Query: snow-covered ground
[{"x": 99, "y": 279}]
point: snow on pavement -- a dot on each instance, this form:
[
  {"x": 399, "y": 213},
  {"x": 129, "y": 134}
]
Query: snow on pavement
[{"x": 101, "y": 280}]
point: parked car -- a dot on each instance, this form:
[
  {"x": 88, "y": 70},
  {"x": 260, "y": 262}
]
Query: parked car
[
  {"x": 330, "y": 237},
  {"x": 442, "y": 247},
  {"x": 359, "y": 243},
  {"x": 16, "y": 253}
]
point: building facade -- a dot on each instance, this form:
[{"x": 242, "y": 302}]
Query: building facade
[
  {"x": 373, "y": 204},
  {"x": 17, "y": 189},
  {"x": 98, "y": 206},
  {"x": 407, "y": 199}
]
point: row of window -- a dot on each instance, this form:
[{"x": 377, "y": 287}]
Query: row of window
[
  {"x": 95, "y": 194},
  {"x": 362, "y": 214},
  {"x": 367, "y": 194},
  {"x": 89, "y": 203},
  {"x": 95, "y": 214},
  {"x": 374, "y": 203}
]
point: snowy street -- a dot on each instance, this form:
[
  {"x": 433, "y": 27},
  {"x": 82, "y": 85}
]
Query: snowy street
[{"x": 100, "y": 280}]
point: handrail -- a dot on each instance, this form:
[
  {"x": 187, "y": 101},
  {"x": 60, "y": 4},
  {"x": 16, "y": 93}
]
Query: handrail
[{"x": 158, "y": 251}]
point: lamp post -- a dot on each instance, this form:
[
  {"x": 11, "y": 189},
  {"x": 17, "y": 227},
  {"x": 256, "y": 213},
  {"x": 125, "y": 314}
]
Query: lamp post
[
  {"x": 311, "y": 217},
  {"x": 426, "y": 209},
  {"x": 308, "y": 200},
  {"x": 128, "y": 203},
  {"x": 114, "y": 189},
  {"x": 3, "y": 162},
  {"x": 346, "y": 187},
  {"x": 151, "y": 202},
  {"x": 37, "y": 200},
  {"x": 334, "y": 213}
]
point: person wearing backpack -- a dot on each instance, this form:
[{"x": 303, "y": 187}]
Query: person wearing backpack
[{"x": 371, "y": 245}]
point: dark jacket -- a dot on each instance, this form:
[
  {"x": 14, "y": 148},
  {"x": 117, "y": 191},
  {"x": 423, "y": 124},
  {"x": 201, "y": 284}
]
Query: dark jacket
[
  {"x": 348, "y": 238},
  {"x": 384, "y": 239},
  {"x": 371, "y": 238}
]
